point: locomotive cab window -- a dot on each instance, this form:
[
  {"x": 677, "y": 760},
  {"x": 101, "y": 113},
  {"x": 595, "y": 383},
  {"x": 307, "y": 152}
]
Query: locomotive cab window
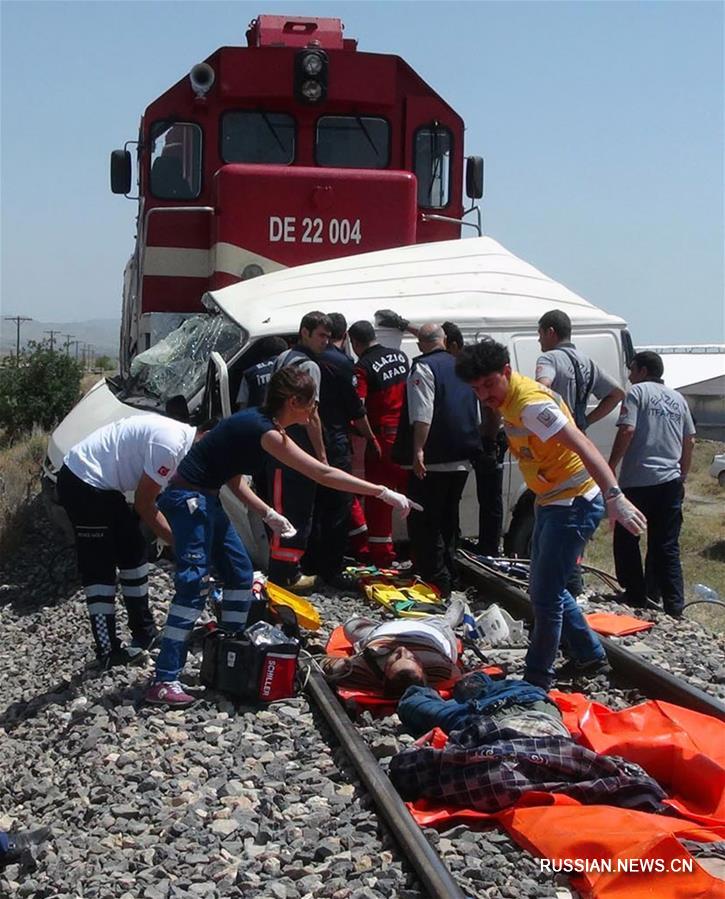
[
  {"x": 352, "y": 142},
  {"x": 258, "y": 137},
  {"x": 175, "y": 161},
  {"x": 433, "y": 147}
]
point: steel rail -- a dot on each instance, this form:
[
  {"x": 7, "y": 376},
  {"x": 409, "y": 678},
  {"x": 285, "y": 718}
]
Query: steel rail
[
  {"x": 650, "y": 679},
  {"x": 433, "y": 874}
]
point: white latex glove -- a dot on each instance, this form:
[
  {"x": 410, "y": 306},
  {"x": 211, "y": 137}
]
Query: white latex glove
[
  {"x": 398, "y": 501},
  {"x": 620, "y": 509},
  {"x": 279, "y": 524}
]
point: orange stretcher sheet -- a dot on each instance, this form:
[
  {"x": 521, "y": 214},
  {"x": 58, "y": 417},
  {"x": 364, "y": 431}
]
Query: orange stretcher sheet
[
  {"x": 614, "y": 625},
  {"x": 683, "y": 750}
]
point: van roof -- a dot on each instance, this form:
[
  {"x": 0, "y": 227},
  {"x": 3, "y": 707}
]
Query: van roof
[{"x": 476, "y": 283}]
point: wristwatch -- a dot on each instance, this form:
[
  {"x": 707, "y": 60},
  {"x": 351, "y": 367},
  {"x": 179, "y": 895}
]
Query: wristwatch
[{"x": 612, "y": 493}]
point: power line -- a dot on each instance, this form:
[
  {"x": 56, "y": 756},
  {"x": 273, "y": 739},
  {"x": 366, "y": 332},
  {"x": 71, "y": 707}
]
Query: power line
[
  {"x": 17, "y": 319},
  {"x": 68, "y": 343},
  {"x": 52, "y": 338}
]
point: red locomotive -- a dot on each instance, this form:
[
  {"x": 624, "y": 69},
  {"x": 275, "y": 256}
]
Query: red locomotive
[{"x": 293, "y": 149}]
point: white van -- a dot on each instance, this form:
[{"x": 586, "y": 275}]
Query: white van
[{"x": 476, "y": 283}]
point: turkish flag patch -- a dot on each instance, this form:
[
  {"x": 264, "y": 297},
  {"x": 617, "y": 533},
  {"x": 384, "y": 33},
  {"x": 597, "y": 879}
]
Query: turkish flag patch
[{"x": 163, "y": 471}]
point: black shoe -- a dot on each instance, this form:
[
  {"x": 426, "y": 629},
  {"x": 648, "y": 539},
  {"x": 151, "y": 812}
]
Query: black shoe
[
  {"x": 121, "y": 655},
  {"x": 575, "y": 670},
  {"x": 21, "y": 846},
  {"x": 145, "y": 642},
  {"x": 344, "y": 581}
]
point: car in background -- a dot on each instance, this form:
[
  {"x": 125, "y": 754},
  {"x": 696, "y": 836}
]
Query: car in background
[{"x": 717, "y": 469}]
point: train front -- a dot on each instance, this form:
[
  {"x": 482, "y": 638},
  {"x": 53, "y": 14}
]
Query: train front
[{"x": 294, "y": 149}]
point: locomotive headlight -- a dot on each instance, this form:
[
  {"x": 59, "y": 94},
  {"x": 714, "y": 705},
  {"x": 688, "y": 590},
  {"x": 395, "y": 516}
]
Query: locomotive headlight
[
  {"x": 311, "y": 91},
  {"x": 311, "y": 75},
  {"x": 312, "y": 63}
]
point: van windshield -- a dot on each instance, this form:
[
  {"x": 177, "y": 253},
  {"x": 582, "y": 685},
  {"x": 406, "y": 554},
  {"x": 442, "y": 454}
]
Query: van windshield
[{"x": 178, "y": 363}]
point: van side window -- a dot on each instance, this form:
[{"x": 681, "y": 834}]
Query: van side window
[{"x": 627, "y": 348}]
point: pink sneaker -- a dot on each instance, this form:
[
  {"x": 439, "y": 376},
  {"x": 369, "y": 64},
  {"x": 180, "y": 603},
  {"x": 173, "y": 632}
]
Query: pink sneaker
[{"x": 170, "y": 694}]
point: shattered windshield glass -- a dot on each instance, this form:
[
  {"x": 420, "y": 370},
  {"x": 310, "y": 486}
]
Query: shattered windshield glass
[{"x": 178, "y": 363}]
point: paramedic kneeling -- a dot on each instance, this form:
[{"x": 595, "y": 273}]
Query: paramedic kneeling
[{"x": 566, "y": 472}]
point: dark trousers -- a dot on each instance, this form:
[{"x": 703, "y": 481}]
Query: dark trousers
[
  {"x": 662, "y": 507},
  {"x": 108, "y": 538},
  {"x": 433, "y": 532},
  {"x": 328, "y": 534},
  {"x": 489, "y": 484}
]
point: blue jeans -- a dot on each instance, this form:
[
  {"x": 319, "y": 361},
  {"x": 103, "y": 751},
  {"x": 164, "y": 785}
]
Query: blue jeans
[
  {"x": 202, "y": 537},
  {"x": 560, "y": 533}
]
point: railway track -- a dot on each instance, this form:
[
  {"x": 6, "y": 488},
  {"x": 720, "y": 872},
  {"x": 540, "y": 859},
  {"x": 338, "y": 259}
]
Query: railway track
[{"x": 652, "y": 680}]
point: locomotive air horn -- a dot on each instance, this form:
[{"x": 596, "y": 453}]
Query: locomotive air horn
[{"x": 202, "y": 78}]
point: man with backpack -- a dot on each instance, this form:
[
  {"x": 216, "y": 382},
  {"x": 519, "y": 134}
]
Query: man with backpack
[
  {"x": 570, "y": 373},
  {"x": 574, "y": 376}
]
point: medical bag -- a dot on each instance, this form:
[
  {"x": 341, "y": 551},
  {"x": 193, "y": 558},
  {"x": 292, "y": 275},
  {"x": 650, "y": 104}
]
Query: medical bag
[{"x": 258, "y": 665}]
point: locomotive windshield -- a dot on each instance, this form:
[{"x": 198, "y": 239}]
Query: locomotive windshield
[
  {"x": 258, "y": 137},
  {"x": 352, "y": 142}
]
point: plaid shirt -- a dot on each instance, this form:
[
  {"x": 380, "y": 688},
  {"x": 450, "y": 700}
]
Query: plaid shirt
[{"x": 488, "y": 767}]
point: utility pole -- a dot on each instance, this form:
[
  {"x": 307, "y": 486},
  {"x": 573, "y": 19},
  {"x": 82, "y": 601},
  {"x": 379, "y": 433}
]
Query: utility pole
[
  {"x": 68, "y": 343},
  {"x": 17, "y": 319},
  {"x": 52, "y": 338},
  {"x": 77, "y": 343}
]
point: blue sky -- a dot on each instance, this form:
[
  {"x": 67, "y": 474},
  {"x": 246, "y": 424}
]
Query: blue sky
[{"x": 601, "y": 124}]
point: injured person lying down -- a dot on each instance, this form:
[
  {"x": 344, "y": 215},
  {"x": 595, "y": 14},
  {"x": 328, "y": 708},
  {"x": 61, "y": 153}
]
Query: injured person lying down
[
  {"x": 394, "y": 655},
  {"x": 506, "y": 738}
]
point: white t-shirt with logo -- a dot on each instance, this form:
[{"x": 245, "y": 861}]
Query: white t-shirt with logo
[{"x": 116, "y": 456}]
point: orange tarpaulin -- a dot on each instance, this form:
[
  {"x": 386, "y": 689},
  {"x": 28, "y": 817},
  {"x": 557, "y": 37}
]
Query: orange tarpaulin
[
  {"x": 614, "y": 625},
  {"x": 682, "y": 749}
]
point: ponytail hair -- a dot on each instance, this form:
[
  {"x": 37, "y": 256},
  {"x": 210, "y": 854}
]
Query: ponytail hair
[{"x": 285, "y": 384}]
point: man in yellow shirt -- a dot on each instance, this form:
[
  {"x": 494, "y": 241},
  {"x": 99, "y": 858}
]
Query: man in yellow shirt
[{"x": 569, "y": 475}]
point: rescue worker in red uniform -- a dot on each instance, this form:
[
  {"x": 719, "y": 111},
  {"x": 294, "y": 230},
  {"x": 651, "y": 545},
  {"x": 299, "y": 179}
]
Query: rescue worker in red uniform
[{"x": 381, "y": 373}]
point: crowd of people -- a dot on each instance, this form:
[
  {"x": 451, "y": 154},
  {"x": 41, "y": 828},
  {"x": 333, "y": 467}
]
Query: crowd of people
[{"x": 287, "y": 455}]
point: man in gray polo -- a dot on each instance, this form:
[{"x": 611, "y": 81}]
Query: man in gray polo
[
  {"x": 565, "y": 369},
  {"x": 654, "y": 443}
]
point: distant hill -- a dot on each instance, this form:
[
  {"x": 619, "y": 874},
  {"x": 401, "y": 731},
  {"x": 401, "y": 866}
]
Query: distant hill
[{"x": 101, "y": 333}]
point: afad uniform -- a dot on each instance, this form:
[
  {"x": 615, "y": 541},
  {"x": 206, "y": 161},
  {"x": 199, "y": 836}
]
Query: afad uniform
[
  {"x": 254, "y": 384},
  {"x": 381, "y": 374},
  {"x": 96, "y": 475},
  {"x": 553, "y": 472}
]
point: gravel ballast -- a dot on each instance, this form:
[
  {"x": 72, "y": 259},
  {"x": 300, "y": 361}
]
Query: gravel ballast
[{"x": 211, "y": 801}]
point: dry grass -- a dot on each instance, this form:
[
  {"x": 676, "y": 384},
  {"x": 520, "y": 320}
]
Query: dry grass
[
  {"x": 19, "y": 484},
  {"x": 702, "y": 540}
]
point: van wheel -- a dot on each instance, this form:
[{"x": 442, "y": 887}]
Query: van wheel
[{"x": 517, "y": 541}]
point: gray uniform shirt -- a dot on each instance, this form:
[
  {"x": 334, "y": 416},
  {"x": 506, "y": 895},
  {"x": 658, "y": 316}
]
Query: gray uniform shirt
[
  {"x": 661, "y": 420},
  {"x": 559, "y": 369}
]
